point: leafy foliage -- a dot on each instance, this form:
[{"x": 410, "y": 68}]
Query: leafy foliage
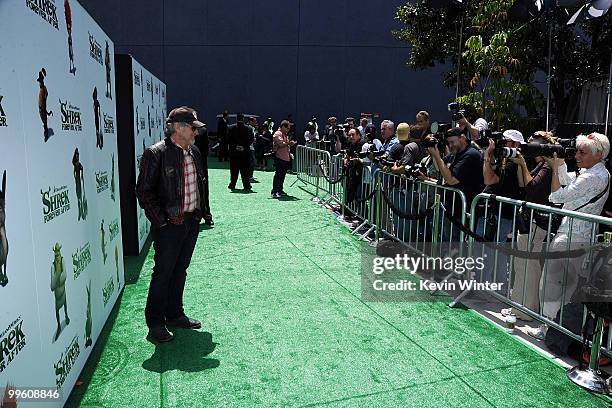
[{"x": 501, "y": 58}]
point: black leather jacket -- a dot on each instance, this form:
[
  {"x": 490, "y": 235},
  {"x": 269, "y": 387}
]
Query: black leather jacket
[{"x": 160, "y": 187}]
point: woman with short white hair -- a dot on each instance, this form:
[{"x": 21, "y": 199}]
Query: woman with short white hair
[{"x": 585, "y": 191}]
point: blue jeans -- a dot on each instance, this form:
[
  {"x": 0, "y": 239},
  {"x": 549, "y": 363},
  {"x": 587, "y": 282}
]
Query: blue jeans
[{"x": 173, "y": 246}]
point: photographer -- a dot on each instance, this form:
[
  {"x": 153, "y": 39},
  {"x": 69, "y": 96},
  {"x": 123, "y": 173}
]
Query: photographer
[
  {"x": 422, "y": 127},
  {"x": 311, "y": 135},
  {"x": 462, "y": 168},
  {"x": 527, "y": 272},
  {"x": 470, "y": 119},
  {"x": 402, "y": 189},
  {"x": 372, "y": 143},
  {"x": 263, "y": 144},
  {"x": 354, "y": 168},
  {"x": 387, "y": 132},
  {"x": 414, "y": 151},
  {"x": 329, "y": 135},
  {"x": 500, "y": 178},
  {"x": 586, "y": 192}
]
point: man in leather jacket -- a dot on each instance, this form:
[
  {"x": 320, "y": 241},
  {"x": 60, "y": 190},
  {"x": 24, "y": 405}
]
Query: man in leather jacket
[{"x": 171, "y": 188}]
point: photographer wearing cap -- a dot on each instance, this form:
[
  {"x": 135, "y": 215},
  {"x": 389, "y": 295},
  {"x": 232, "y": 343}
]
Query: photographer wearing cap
[
  {"x": 500, "y": 178},
  {"x": 462, "y": 168},
  {"x": 171, "y": 190},
  {"x": 585, "y": 192},
  {"x": 536, "y": 183},
  {"x": 471, "y": 120}
]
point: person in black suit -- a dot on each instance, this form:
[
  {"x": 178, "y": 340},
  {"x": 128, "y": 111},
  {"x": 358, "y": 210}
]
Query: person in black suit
[
  {"x": 202, "y": 143},
  {"x": 222, "y": 126},
  {"x": 240, "y": 138}
]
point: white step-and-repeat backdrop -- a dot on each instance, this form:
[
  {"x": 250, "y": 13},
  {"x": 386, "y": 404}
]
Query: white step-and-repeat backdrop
[
  {"x": 149, "y": 104},
  {"x": 61, "y": 258}
]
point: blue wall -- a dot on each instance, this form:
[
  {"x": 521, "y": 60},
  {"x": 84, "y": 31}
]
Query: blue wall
[{"x": 274, "y": 57}]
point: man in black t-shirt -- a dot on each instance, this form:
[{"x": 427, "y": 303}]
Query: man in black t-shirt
[{"x": 462, "y": 168}]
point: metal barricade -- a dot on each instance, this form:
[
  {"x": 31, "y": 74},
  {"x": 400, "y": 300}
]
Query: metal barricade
[
  {"x": 414, "y": 212},
  {"x": 527, "y": 267},
  {"x": 311, "y": 165},
  {"x": 360, "y": 198}
]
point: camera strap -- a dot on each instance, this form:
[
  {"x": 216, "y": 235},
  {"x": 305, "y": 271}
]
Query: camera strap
[{"x": 597, "y": 197}]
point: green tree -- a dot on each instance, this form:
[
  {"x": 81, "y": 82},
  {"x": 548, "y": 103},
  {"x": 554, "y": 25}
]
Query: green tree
[{"x": 501, "y": 58}]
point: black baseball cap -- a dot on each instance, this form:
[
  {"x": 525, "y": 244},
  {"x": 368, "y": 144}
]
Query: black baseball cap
[{"x": 186, "y": 115}]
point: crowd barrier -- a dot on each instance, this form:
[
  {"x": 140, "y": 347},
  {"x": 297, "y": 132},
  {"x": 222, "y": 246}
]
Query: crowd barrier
[{"x": 536, "y": 273}]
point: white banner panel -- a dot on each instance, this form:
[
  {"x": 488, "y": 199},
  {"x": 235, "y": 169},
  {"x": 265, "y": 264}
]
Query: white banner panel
[{"x": 65, "y": 150}]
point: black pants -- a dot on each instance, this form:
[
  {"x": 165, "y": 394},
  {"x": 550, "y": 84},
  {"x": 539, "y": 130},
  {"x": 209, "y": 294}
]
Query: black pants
[
  {"x": 240, "y": 165},
  {"x": 279, "y": 176},
  {"x": 173, "y": 246}
]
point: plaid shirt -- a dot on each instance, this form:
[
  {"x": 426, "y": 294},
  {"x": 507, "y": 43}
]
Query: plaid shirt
[{"x": 190, "y": 186}]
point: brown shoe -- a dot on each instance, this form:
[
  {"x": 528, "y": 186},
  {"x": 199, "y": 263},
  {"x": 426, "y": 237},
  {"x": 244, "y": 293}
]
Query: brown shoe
[
  {"x": 159, "y": 335},
  {"x": 184, "y": 322}
]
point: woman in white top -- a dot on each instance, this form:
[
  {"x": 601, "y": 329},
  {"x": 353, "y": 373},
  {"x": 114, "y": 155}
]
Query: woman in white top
[
  {"x": 311, "y": 135},
  {"x": 574, "y": 191}
]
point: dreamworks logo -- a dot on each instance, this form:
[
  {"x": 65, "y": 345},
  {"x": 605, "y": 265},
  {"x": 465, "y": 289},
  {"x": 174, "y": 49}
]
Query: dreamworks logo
[
  {"x": 109, "y": 124},
  {"x": 95, "y": 50},
  {"x": 2, "y": 114}
]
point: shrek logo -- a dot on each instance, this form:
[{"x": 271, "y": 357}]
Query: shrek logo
[
  {"x": 136, "y": 78},
  {"x": 101, "y": 181},
  {"x": 12, "y": 341},
  {"x": 113, "y": 229},
  {"x": 109, "y": 124},
  {"x": 46, "y": 9},
  {"x": 55, "y": 202},
  {"x": 71, "y": 117},
  {"x": 66, "y": 362},
  {"x": 81, "y": 258},
  {"x": 95, "y": 50},
  {"x": 108, "y": 291},
  {"x": 2, "y": 114}
]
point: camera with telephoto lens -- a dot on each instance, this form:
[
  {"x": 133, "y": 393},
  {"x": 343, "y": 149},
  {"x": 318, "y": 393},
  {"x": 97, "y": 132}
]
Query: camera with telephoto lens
[
  {"x": 341, "y": 130},
  {"x": 484, "y": 135},
  {"x": 567, "y": 143},
  {"x": 415, "y": 171},
  {"x": 437, "y": 138},
  {"x": 458, "y": 109},
  {"x": 536, "y": 149}
]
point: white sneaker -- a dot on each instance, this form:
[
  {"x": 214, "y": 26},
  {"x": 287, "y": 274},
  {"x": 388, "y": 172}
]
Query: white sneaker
[
  {"x": 538, "y": 332},
  {"x": 507, "y": 312}
]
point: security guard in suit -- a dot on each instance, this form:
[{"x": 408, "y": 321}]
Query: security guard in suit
[{"x": 240, "y": 138}]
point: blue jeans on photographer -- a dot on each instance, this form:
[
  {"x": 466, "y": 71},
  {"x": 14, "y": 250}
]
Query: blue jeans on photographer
[{"x": 490, "y": 274}]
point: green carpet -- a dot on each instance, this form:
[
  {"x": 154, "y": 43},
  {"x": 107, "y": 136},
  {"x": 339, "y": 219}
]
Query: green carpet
[{"x": 277, "y": 287}]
